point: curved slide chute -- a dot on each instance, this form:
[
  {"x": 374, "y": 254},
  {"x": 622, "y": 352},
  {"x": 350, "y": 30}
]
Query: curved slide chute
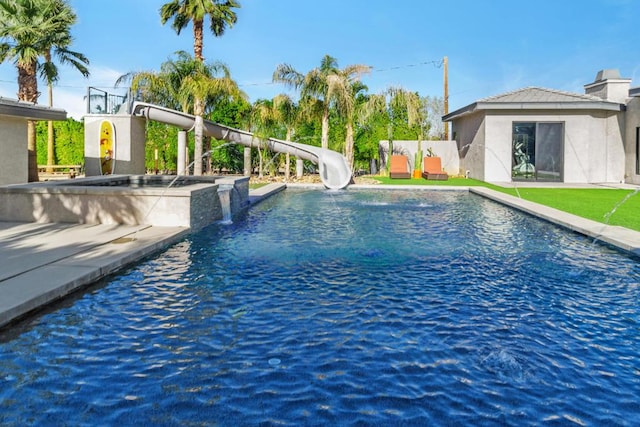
[{"x": 334, "y": 170}]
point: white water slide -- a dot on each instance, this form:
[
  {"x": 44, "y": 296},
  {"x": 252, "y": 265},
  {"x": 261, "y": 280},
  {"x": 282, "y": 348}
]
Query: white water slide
[{"x": 334, "y": 169}]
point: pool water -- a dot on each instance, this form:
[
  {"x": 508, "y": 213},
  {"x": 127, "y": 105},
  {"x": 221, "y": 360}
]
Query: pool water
[{"x": 345, "y": 308}]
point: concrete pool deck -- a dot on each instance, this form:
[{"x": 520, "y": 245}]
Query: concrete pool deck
[{"x": 43, "y": 262}]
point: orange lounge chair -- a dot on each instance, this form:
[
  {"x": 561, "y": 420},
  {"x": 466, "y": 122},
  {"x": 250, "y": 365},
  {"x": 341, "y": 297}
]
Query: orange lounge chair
[
  {"x": 433, "y": 169},
  {"x": 398, "y": 167}
]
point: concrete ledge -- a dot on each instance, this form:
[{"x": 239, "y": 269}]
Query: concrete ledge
[
  {"x": 409, "y": 187},
  {"x": 259, "y": 194},
  {"x": 68, "y": 258},
  {"x": 622, "y": 238}
]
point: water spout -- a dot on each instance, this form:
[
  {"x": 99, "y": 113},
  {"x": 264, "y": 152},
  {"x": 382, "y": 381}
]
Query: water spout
[{"x": 224, "y": 193}]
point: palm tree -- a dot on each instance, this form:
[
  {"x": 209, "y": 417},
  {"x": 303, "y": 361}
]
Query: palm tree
[
  {"x": 26, "y": 27},
  {"x": 321, "y": 85},
  {"x": 346, "y": 92},
  {"x": 263, "y": 124},
  {"x": 190, "y": 84},
  {"x": 288, "y": 114},
  {"x": 388, "y": 104},
  {"x": 57, "y": 44},
  {"x": 220, "y": 13}
]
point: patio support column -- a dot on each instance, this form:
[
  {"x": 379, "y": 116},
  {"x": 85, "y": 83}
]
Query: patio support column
[
  {"x": 299, "y": 168},
  {"x": 247, "y": 161},
  {"x": 182, "y": 152}
]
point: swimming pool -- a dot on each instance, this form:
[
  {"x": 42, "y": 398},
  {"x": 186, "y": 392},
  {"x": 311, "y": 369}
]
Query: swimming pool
[{"x": 345, "y": 308}]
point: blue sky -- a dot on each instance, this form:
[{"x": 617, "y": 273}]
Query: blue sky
[{"x": 493, "y": 46}]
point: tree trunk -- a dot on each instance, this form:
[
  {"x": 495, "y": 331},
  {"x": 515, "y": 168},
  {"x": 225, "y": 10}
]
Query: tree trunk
[
  {"x": 197, "y": 39},
  {"x": 348, "y": 145},
  {"x": 50, "y": 146},
  {"x": 28, "y": 91},
  {"x": 197, "y": 151},
  {"x": 28, "y": 83},
  {"x": 287, "y": 161},
  {"x": 325, "y": 128}
]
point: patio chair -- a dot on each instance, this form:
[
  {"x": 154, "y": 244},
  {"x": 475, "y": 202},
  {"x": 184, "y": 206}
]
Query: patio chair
[
  {"x": 399, "y": 167},
  {"x": 433, "y": 169}
]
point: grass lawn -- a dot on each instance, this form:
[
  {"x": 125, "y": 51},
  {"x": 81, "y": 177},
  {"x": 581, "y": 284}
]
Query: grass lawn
[{"x": 595, "y": 204}]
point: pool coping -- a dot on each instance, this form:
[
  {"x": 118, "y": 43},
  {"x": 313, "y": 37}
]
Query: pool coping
[
  {"x": 41, "y": 263},
  {"x": 44, "y": 262}
]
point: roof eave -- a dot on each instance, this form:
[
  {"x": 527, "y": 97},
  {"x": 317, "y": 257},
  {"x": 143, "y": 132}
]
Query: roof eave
[
  {"x": 460, "y": 112},
  {"x": 578, "y": 105},
  {"x": 570, "y": 106},
  {"x": 28, "y": 111}
]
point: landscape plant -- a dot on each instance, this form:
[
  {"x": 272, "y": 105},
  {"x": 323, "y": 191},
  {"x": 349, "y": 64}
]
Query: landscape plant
[
  {"x": 221, "y": 15},
  {"x": 30, "y": 29}
]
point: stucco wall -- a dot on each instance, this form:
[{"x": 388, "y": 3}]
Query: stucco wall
[
  {"x": 593, "y": 147},
  {"x": 446, "y": 150},
  {"x": 14, "y": 158},
  {"x": 469, "y": 132},
  {"x": 632, "y": 121},
  {"x": 130, "y": 142}
]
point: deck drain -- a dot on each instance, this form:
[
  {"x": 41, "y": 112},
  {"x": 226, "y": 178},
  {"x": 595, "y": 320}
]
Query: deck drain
[{"x": 123, "y": 240}]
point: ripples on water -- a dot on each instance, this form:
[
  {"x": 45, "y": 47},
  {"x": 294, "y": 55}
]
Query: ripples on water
[{"x": 345, "y": 308}]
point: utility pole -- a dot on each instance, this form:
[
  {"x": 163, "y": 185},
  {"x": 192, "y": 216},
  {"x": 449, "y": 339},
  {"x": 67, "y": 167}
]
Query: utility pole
[{"x": 445, "y": 63}]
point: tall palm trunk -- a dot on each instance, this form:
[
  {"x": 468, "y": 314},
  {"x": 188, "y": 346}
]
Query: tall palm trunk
[
  {"x": 325, "y": 127},
  {"x": 287, "y": 162},
  {"x": 50, "y": 148},
  {"x": 28, "y": 91},
  {"x": 348, "y": 146},
  {"x": 198, "y": 38},
  {"x": 198, "y": 110}
]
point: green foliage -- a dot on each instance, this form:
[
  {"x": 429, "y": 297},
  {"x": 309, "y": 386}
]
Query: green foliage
[
  {"x": 233, "y": 113},
  {"x": 163, "y": 138},
  {"x": 68, "y": 142}
]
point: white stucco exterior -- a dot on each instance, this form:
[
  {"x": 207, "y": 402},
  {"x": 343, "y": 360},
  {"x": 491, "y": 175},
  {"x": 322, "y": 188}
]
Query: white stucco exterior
[
  {"x": 14, "y": 161},
  {"x": 14, "y": 158},
  {"x": 598, "y": 133},
  {"x": 632, "y": 140},
  {"x": 446, "y": 150},
  {"x": 130, "y": 136}
]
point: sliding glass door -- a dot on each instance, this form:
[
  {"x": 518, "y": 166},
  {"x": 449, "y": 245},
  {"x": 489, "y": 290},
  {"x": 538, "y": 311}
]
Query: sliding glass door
[{"x": 538, "y": 151}]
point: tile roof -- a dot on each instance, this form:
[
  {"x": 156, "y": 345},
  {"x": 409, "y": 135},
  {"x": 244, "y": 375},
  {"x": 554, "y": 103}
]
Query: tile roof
[
  {"x": 539, "y": 94},
  {"x": 537, "y": 98}
]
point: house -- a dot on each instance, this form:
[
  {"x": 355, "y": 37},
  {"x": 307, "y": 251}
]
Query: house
[
  {"x": 538, "y": 134},
  {"x": 13, "y": 136}
]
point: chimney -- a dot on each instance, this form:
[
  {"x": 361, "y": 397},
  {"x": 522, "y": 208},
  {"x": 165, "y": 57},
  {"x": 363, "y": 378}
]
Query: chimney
[{"x": 609, "y": 86}]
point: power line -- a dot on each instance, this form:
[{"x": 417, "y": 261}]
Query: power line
[{"x": 437, "y": 64}]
